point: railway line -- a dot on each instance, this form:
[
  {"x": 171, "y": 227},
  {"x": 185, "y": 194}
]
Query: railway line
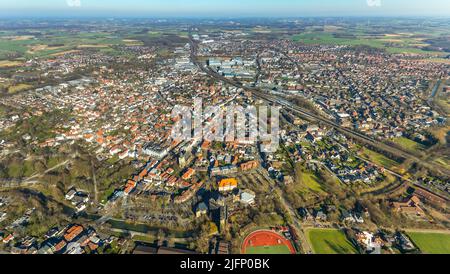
[{"x": 357, "y": 136}]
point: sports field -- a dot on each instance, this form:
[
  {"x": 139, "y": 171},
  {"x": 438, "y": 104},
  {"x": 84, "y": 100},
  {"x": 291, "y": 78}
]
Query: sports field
[
  {"x": 266, "y": 242},
  {"x": 329, "y": 241},
  {"x": 274, "y": 249},
  {"x": 431, "y": 243}
]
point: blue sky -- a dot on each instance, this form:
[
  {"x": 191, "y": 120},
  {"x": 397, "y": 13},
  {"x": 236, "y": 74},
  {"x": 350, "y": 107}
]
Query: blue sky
[{"x": 227, "y": 8}]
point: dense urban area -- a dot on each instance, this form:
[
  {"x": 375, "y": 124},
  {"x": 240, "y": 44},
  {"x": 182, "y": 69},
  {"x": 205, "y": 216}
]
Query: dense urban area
[{"x": 88, "y": 164}]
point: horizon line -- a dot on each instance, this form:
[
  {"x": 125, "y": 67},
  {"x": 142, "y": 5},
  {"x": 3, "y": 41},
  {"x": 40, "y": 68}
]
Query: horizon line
[{"x": 101, "y": 16}]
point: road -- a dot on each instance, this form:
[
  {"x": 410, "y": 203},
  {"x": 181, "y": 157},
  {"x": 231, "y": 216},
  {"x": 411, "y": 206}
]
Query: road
[
  {"x": 95, "y": 183},
  {"x": 31, "y": 180},
  {"x": 293, "y": 214},
  {"x": 108, "y": 210},
  {"x": 358, "y": 136},
  {"x": 297, "y": 225},
  {"x": 47, "y": 171}
]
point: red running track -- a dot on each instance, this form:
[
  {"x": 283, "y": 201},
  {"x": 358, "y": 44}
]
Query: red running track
[{"x": 265, "y": 238}]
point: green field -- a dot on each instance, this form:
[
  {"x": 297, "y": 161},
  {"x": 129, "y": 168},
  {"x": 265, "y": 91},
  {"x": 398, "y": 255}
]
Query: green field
[
  {"x": 328, "y": 38},
  {"x": 408, "y": 144},
  {"x": 444, "y": 161},
  {"x": 431, "y": 243},
  {"x": 275, "y": 249},
  {"x": 401, "y": 44},
  {"x": 378, "y": 158},
  {"x": 54, "y": 42},
  {"x": 311, "y": 181},
  {"x": 307, "y": 180},
  {"x": 329, "y": 241}
]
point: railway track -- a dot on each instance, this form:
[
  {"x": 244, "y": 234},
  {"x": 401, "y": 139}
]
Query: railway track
[{"x": 358, "y": 136}]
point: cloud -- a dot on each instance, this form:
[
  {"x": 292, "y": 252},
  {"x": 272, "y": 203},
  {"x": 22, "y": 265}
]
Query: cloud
[
  {"x": 74, "y": 3},
  {"x": 374, "y": 3}
]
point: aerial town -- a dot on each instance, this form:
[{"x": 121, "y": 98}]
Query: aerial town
[{"x": 89, "y": 165}]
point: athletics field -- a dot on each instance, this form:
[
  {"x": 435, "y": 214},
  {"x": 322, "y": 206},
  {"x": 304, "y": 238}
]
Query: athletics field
[{"x": 266, "y": 242}]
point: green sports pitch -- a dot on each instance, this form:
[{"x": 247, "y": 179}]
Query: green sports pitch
[
  {"x": 330, "y": 241},
  {"x": 431, "y": 243},
  {"x": 273, "y": 249}
]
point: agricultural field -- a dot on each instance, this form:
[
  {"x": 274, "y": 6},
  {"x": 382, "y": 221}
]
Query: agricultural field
[
  {"x": 393, "y": 43},
  {"x": 47, "y": 43},
  {"x": 329, "y": 241},
  {"x": 444, "y": 161},
  {"x": 431, "y": 243}
]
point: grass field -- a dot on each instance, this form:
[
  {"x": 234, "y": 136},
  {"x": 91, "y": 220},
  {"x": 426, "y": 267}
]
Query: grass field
[
  {"x": 431, "y": 243},
  {"x": 145, "y": 239},
  {"x": 18, "y": 87},
  {"x": 378, "y": 158},
  {"x": 8, "y": 64},
  {"x": 329, "y": 241},
  {"x": 55, "y": 43},
  {"x": 307, "y": 179},
  {"x": 52, "y": 42},
  {"x": 311, "y": 181},
  {"x": 408, "y": 144},
  {"x": 275, "y": 249},
  {"x": 444, "y": 161}
]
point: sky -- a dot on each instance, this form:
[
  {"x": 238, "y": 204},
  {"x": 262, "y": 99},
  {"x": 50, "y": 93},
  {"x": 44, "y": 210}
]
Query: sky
[{"x": 225, "y": 8}]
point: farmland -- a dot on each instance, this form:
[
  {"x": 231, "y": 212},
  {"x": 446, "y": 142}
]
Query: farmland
[
  {"x": 393, "y": 43},
  {"x": 48, "y": 42}
]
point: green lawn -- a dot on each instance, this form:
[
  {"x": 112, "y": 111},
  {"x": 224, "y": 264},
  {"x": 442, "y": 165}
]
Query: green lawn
[
  {"x": 378, "y": 158},
  {"x": 311, "y": 182},
  {"x": 408, "y": 144},
  {"x": 275, "y": 249},
  {"x": 330, "y": 241},
  {"x": 431, "y": 243},
  {"x": 307, "y": 179},
  {"x": 145, "y": 239},
  {"x": 445, "y": 161}
]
